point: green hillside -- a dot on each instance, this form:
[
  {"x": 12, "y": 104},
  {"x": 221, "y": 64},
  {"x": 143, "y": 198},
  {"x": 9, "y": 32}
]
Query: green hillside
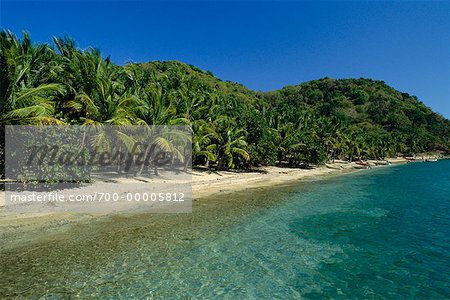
[
  {"x": 374, "y": 119},
  {"x": 233, "y": 126},
  {"x": 372, "y": 110}
]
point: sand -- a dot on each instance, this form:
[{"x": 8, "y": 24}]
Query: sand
[{"x": 208, "y": 182}]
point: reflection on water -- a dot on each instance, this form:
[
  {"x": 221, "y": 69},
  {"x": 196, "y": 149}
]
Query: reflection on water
[{"x": 377, "y": 234}]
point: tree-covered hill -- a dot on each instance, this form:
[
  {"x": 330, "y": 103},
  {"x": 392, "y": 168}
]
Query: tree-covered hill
[
  {"x": 233, "y": 125},
  {"x": 373, "y": 106}
]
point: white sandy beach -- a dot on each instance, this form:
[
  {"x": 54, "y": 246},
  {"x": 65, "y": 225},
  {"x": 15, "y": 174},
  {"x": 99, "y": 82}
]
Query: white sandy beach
[
  {"x": 208, "y": 182},
  {"x": 22, "y": 227},
  {"x": 204, "y": 183}
]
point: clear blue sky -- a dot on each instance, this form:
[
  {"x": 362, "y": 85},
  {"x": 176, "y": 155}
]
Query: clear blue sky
[{"x": 262, "y": 45}]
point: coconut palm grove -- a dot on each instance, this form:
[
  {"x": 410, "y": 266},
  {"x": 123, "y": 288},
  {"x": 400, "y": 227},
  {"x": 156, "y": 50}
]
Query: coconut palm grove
[{"x": 234, "y": 127}]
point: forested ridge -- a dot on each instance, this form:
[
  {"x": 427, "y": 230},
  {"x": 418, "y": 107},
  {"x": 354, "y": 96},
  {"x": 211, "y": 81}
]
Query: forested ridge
[{"x": 234, "y": 127}]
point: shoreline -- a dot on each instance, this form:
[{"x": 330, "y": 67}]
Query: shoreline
[
  {"x": 207, "y": 182},
  {"x": 21, "y": 228},
  {"x": 211, "y": 183},
  {"x": 205, "y": 185}
]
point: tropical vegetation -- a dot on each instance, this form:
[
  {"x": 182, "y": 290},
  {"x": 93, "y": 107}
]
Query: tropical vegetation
[{"x": 234, "y": 127}]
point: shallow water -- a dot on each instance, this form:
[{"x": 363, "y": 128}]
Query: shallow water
[{"x": 382, "y": 233}]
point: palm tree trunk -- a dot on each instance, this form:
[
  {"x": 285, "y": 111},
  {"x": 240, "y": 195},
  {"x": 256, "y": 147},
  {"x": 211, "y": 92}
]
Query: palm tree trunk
[
  {"x": 141, "y": 169},
  {"x": 119, "y": 161}
]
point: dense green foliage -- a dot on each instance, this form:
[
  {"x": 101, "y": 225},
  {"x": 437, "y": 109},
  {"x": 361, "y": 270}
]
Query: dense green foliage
[{"x": 233, "y": 126}]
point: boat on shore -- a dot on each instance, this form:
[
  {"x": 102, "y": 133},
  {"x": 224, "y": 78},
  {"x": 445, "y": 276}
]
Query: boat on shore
[
  {"x": 333, "y": 166},
  {"x": 431, "y": 160},
  {"x": 361, "y": 166},
  {"x": 339, "y": 161},
  {"x": 382, "y": 163}
]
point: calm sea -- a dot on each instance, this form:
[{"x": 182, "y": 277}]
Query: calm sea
[{"x": 376, "y": 234}]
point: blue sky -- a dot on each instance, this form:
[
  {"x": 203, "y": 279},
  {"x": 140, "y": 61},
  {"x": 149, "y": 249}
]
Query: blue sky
[{"x": 263, "y": 45}]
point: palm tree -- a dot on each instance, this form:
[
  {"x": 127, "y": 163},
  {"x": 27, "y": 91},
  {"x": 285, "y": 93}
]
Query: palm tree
[
  {"x": 204, "y": 141},
  {"x": 232, "y": 146},
  {"x": 26, "y": 98}
]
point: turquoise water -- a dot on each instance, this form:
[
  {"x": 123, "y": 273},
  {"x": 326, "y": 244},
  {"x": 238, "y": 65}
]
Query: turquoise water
[{"x": 377, "y": 234}]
